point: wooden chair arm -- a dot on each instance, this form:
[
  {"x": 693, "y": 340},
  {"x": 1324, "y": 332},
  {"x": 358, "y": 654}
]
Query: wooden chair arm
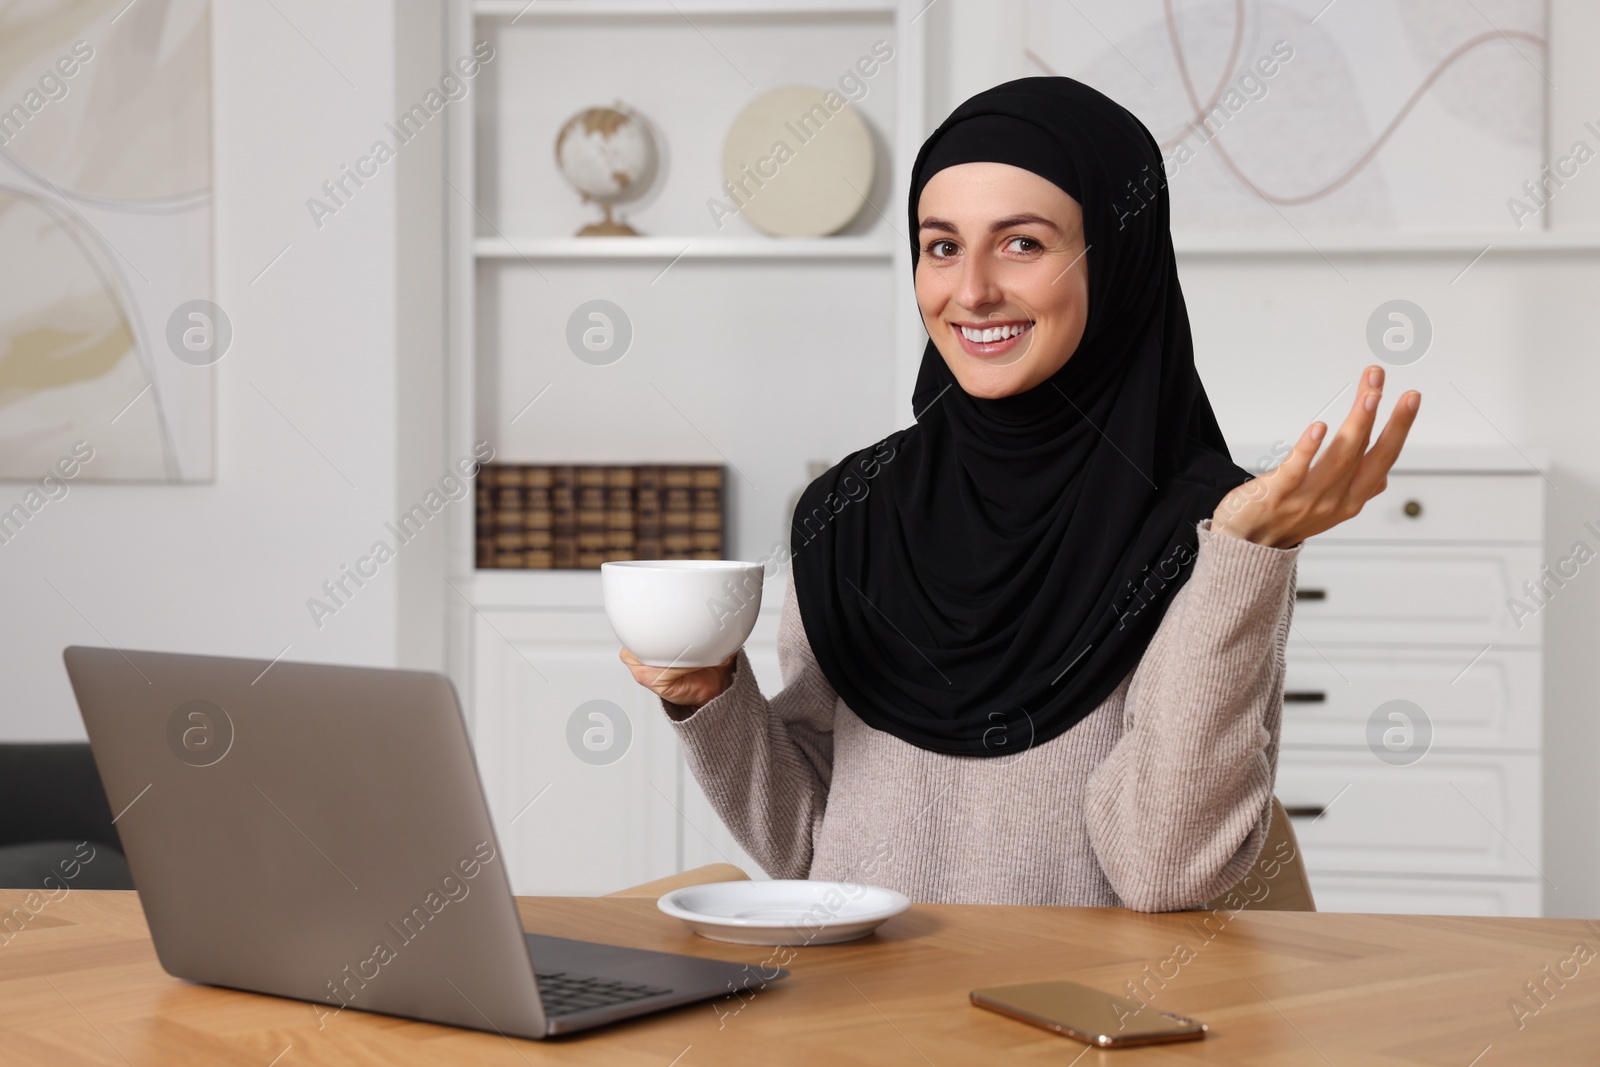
[
  {"x": 711, "y": 872},
  {"x": 1278, "y": 882}
]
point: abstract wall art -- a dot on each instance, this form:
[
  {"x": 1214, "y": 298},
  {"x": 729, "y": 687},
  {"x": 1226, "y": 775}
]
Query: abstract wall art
[{"x": 108, "y": 329}]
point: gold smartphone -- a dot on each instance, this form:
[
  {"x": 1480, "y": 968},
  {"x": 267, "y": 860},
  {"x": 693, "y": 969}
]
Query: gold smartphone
[{"x": 1089, "y": 1015}]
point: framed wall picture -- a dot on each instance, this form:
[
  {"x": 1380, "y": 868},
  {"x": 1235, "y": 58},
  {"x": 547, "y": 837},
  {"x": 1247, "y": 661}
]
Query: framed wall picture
[{"x": 109, "y": 332}]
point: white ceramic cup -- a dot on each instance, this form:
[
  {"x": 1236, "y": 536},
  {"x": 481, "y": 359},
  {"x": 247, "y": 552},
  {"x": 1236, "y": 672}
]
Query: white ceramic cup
[{"x": 681, "y": 612}]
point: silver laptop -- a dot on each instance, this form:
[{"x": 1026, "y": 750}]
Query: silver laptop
[{"x": 320, "y": 832}]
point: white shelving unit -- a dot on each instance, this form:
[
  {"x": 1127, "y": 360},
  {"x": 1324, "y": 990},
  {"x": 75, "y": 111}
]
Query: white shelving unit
[
  {"x": 757, "y": 352},
  {"x": 765, "y": 353}
]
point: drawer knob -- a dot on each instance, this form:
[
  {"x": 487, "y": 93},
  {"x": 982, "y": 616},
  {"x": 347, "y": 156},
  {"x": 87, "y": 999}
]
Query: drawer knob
[
  {"x": 1304, "y": 696},
  {"x": 1304, "y": 811},
  {"x": 1311, "y": 594},
  {"x": 1412, "y": 508}
]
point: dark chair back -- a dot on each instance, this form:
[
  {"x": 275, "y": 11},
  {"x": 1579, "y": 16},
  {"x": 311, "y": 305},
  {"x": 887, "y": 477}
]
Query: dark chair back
[{"x": 51, "y": 801}]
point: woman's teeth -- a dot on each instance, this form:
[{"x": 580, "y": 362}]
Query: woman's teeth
[{"x": 993, "y": 333}]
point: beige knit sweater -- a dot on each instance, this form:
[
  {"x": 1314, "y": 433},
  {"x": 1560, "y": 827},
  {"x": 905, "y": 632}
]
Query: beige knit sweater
[{"x": 1158, "y": 800}]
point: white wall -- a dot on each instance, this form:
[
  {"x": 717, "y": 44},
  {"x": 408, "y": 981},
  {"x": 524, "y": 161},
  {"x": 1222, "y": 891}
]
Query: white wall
[
  {"x": 1278, "y": 336},
  {"x": 227, "y": 567}
]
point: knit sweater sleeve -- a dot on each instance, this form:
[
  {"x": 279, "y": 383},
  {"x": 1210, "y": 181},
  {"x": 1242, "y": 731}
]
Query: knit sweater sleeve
[
  {"x": 766, "y": 763},
  {"x": 1178, "y": 811}
]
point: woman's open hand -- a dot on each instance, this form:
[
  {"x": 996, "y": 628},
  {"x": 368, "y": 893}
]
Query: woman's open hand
[
  {"x": 688, "y": 686},
  {"x": 1296, "y": 500}
]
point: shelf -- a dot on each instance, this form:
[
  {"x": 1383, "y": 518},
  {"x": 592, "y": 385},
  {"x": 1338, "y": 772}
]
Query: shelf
[
  {"x": 1383, "y": 244},
  {"x": 671, "y": 248},
  {"x": 530, "y": 9}
]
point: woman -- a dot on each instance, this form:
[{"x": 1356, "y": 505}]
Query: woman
[{"x": 1033, "y": 646}]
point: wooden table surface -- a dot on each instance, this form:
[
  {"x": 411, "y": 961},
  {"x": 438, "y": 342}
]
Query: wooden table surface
[{"x": 79, "y": 984}]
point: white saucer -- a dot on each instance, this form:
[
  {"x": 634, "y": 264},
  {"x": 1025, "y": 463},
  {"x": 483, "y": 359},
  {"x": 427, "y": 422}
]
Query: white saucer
[{"x": 783, "y": 912}]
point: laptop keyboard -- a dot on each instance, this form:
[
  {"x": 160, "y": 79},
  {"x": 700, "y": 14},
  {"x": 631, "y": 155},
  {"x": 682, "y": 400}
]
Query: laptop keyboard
[{"x": 564, "y": 993}]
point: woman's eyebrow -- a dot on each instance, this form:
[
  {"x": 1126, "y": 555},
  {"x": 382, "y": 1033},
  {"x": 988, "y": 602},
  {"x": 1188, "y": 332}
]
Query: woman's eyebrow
[
  {"x": 1024, "y": 219},
  {"x": 932, "y": 223}
]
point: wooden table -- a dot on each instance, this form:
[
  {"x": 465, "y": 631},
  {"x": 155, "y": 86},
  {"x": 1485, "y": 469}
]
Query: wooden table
[{"x": 80, "y": 984}]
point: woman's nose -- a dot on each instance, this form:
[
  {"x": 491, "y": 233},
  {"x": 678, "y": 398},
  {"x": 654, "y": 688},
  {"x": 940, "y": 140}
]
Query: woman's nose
[{"x": 979, "y": 287}]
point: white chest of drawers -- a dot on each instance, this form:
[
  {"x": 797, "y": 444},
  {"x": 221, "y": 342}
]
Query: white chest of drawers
[{"x": 1411, "y": 756}]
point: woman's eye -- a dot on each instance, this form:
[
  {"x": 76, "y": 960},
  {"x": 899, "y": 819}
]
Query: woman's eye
[
  {"x": 1028, "y": 244},
  {"x": 941, "y": 248}
]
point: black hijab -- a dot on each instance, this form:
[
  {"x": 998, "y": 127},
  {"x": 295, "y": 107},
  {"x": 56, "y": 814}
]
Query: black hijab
[{"x": 982, "y": 581}]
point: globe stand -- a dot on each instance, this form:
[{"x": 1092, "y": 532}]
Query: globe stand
[{"x": 608, "y": 227}]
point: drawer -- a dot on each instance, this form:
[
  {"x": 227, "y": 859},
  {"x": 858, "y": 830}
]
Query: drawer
[
  {"x": 1329, "y": 696},
  {"x": 1437, "y": 594},
  {"x": 1427, "y": 896},
  {"x": 1445, "y": 814},
  {"x": 1450, "y": 507}
]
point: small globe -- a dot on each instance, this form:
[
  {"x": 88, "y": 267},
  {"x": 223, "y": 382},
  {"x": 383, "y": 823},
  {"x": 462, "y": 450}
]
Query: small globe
[{"x": 608, "y": 155}]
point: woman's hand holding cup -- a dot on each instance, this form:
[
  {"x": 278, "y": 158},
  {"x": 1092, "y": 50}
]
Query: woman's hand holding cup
[{"x": 688, "y": 687}]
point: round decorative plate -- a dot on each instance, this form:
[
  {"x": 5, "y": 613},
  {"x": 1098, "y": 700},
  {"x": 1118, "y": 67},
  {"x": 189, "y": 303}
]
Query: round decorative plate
[{"x": 799, "y": 161}]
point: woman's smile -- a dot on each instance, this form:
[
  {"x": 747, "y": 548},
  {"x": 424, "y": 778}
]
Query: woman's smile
[{"x": 990, "y": 340}]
